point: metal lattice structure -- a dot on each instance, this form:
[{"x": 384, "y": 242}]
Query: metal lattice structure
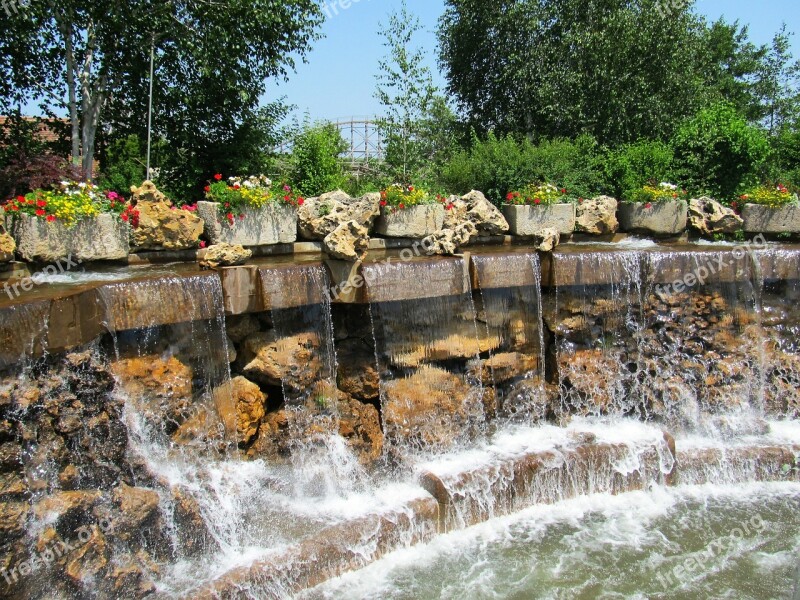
[{"x": 364, "y": 139}]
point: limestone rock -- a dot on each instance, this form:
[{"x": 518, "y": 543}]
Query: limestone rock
[
  {"x": 225, "y": 255},
  {"x": 319, "y": 217},
  {"x": 190, "y": 526},
  {"x": 545, "y": 240},
  {"x": 159, "y": 388},
  {"x": 502, "y": 367},
  {"x": 349, "y": 241},
  {"x": 357, "y": 375},
  {"x": 7, "y": 246},
  {"x": 241, "y": 405},
  {"x": 457, "y": 213},
  {"x": 137, "y": 511},
  {"x": 597, "y": 216},
  {"x": 161, "y": 226},
  {"x": 448, "y": 241},
  {"x": 67, "y": 509},
  {"x": 293, "y": 361},
  {"x": 360, "y": 426},
  {"x": 432, "y": 408},
  {"x": 709, "y": 217},
  {"x": 484, "y": 215},
  {"x": 238, "y": 327}
]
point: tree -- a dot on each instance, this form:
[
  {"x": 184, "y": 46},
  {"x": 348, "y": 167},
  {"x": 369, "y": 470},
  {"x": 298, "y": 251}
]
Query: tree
[
  {"x": 405, "y": 89},
  {"x": 315, "y": 164},
  {"x": 213, "y": 59},
  {"x": 778, "y": 84},
  {"x": 616, "y": 69}
]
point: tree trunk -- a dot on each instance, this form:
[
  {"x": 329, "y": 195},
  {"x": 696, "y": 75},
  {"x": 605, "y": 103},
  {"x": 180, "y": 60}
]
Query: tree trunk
[{"x": 66, "y": 31}]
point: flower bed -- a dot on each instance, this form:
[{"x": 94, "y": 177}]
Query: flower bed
[
  {"x": 771, "y": 209},
  {"x": 538, "y": 207},
  {"x": 656, "y": 210},
  {"x": 409, "y": 212},
  {"x": 249, "y": 212},
  {"x": 76, "y": 221}
]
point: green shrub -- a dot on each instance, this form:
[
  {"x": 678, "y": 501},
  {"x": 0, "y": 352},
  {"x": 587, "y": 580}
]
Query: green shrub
[
  {"x": 315, "y": 167},
  {"x": 784, "y": 162},
  {"x": 632, "y": 166},
  {"x": 123, "y": 165},
  {"x": 718, "y": 153}
]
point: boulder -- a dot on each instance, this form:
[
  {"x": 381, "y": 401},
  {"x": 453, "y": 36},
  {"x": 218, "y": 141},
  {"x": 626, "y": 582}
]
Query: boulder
[
  {"x": 448, "y": 241},
  {"x": 360, "y": 426},
  {"x": 502, "y": 367},
  {"x": 190, "y": 526},
  {"x": 456, "y": 214},
  {"x": 291, "y": 361},
  {"x": 238, "y": 327},
  {"x": 224, "y": 255},
  {"x": 597, "y": 216},
  {"x": 432, "y": 408},
  {"x": 319, "y": 217},
  {"x": 484, "y": 215},
  {"x": 545, "y": 240},
  {"x": 138, "y": 514},
  {"x": 708, "y": 217},
  {"x": 162, "y": 226},
  {"x": 349, "y": 241}
]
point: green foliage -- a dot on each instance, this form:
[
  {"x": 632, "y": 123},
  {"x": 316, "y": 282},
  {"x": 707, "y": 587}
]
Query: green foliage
[
  {"x": 719, "y": 153},
  {"x": 498, "y": 165},
  {"x": 769, "y": 195},
  {"x": 785, "y": 158},
  {"x": 405, "y": 89},
  {"x": 631, "y": 166},
  {"x": 315, "y": 164},
  {"x": 123, "y": 165},
  {"x": 404, "y": 196}
]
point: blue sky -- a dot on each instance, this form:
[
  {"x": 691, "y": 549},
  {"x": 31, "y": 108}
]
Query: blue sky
[{"x": 339, "y": 79}]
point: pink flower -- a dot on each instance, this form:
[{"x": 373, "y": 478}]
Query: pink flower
[
  {"x": 202, "y": 244},
  {"x": 286, "y": 188},
  {"x": 649, "y": 205}
]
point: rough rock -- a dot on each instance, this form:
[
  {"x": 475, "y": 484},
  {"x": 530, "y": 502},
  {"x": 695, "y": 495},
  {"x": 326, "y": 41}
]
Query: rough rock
[
  {"x": 238, "y": 327},
  {"x": 319, "y": 217},
  {"x": 161, "y": 227},
  {"x": 160, "y": 388},
  {"x": 7, "y": 246},
  {"x": 225, "y": 255},
  {"x": 242, "y": 405},
  {"x": 138, "y": 513},
  {"x": 457, "y": 213},
  {"x": 416, "y": 222},
  {"x": 292, "y": 361},
  {"x": 484, "y": 215},
  {"x": 190, "y": 526},
  {"x": 432, "y": 408},
  {"x": 360, "y": 425},
  {"x": 67, "y": 509},
  {"x": 448, "y": 241},
  {"x": 502, "y": 367},
  {"x": 545, "y": 240},
  {"x": 597, "y": 216},
  {"x": 349, "y": 241},
  {"x": 709, "y": 217},
  {"x": 357, "y": 375}
]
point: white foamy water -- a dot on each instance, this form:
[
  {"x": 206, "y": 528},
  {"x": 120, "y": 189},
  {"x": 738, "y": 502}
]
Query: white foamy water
[{"x": 732, "y": 541}]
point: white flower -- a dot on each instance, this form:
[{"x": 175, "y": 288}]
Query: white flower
[{"x": 668, "y": 186}]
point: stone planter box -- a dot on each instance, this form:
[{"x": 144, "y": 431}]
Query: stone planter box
[
  {"x": 104, "y": 237},
  {"x": 766, "y": 219},
  {"x": 413, "y": 222},
  {"x": 527, "y": 220},
  {"x": 662, "y": 218},
  {"x": 271, "y": 224}
]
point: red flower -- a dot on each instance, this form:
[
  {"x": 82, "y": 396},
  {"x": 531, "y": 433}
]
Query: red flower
[
  {"x": 449, "y": 206},
  {"x": 14, "y": 207},
  {"x": 649, "y": 205},
  {"x": 563, "y": 190},
  {"x": 124, "y": 217},
  {"x": 227, "y": 205},
  {"x": 383, "y": 202},
  {"x": 20, "y": 198},
  {"x": 237, "y": 187},
  {"x": 580, "y": 200},
  {"x": 241, "y": 217},
  {"x": 411, "y": 188},
  {"x": 207, "y": 189},
  {"x": 537, "y": 201},
  {"x": 202, "y": 244},
  {"x": 401, "y": 205},
  {"x": 218, "y": 176},
  {"x": 229, "y": 216},
  {"x": 509, "y": 196},
  {"x": 41, "y": 203},
  {"x": 287, "y": 198},
  {"x": 674, "y": 195},
  {"x": 51, "y": 218},
  {"x": 300, "y": 201},
  {"x": 40, "y": 212}
]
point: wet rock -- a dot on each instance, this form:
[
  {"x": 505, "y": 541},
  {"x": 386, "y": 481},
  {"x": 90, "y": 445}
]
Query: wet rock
[
  {"x": 67, "y": 510},
  {"x": 484, "y": 215},
  {"x": 242, "y": 405},
  {"x": 137, "y": 514},
  {"x": 592, "y": 377},
  {"x": 527, "y": 399},
  {"x": 159, "y": 388},
  {"x": 225, "y": 255},
  {"x": 292, "y": 361},
  {"x": 349, "y": 241},
  {"x": 319, "y": 217},
  {"x": 13, "y": 518},
  {"x": 161, "y": 227},
  {"x": 239, "y": 327},
  {"x": 502, "y": 367},
  {"x": 359, "y": 425},
  {"x": 88, "y": 562},
  {"x": 597, "y": 216},
  {"x": 357, "y": 375},
  {"x": 448, "y": 241},
  {"x": 708, "y": 217},
  {"x": 458, "y": 343},
  {"x": 190, "y": 526},
  {"x": 432, "y": 408}
]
